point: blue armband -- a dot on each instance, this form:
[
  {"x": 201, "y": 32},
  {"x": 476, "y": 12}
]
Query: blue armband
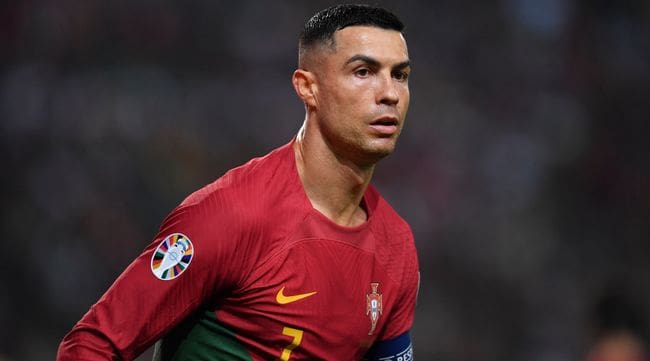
[{"x": 396, "y": 349}]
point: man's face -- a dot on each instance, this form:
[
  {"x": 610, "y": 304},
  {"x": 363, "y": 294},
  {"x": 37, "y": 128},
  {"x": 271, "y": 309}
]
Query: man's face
[{"x": 362, "y": 92}]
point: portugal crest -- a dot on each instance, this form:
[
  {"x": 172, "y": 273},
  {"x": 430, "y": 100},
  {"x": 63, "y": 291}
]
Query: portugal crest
[{"x": 373, "y": 306}]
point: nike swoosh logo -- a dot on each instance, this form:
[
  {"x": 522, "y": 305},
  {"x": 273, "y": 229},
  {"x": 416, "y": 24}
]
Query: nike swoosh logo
[{"x": 283, "y": 299}]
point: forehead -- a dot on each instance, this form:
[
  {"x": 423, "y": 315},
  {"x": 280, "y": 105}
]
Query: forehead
[{"x": 370, "y": 40}]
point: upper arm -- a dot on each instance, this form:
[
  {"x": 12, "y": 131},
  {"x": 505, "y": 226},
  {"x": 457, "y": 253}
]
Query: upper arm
[
  {"x": 144, "y": 302},
  {"x": 401, "y": 317}
]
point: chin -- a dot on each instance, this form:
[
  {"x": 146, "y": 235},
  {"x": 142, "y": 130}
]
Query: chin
[{"x": 379, "y": 151}]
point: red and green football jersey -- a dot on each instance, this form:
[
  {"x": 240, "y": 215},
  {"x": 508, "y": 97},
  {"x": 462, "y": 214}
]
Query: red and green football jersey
[{"x": 247, "y": 269}]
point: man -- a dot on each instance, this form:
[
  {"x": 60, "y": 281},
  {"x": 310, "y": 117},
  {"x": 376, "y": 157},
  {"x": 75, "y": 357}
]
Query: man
[{"x": 292, "y": 256}]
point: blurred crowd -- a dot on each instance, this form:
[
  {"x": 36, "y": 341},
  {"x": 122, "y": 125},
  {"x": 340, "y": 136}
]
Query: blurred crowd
[{"x": 523, "y": 169}]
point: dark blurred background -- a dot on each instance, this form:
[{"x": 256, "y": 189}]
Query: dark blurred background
[{"x": 523, "y": 168}]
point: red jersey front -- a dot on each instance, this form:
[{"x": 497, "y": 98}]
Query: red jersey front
[{"x": 247, "y": 269}]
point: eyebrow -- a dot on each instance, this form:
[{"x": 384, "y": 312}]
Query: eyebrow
[{"x": 374, "y": 62}]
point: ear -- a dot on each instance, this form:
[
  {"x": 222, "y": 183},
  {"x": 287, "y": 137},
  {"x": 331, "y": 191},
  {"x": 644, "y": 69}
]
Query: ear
[{"x": 304, "y": 83}]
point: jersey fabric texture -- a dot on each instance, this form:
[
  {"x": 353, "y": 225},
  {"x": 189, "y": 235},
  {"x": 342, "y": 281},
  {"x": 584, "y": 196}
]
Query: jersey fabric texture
[{"x": 260, "y": 275}]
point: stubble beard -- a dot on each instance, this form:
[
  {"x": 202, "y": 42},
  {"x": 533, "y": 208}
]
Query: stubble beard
[
  {"x": 357, "y": 145},
  {"x": 366, "y": 152}
]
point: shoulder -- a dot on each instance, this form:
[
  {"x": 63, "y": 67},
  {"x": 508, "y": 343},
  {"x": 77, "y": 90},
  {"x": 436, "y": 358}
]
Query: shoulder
[
  {"x": 246, "y": 201},
  {"x": 234, "y": 219},
  {"x": 387, "y": 223},
  {"x": 395, "y": 245},
  {"x": 247, "y": 188}
]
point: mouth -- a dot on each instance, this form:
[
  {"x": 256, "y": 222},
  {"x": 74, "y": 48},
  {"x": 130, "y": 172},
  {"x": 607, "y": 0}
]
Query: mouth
[{"x": 385, "y": 125}]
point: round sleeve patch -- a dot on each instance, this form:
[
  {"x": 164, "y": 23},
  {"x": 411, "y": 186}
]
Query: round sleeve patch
[{"x": 172, "y": 257}]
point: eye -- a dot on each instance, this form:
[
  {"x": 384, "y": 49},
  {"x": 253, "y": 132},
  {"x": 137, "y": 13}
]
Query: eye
[
  {"x": 362, "y": 72},
  {"x": 401, "y": 75}
]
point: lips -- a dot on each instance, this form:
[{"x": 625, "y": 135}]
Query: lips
[{"x": 385, "y": 125}]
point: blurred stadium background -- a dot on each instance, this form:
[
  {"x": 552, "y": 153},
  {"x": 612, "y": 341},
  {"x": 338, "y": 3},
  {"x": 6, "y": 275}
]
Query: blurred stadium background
[{"x": 523, "y": 169}]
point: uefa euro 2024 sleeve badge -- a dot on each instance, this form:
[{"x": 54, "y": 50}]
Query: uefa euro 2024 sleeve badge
[
  {"x": 172, "y": 257},
  {"x": 373, "y": 306}
]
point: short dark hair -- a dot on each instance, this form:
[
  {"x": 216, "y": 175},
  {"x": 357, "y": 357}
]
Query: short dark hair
[{"x": 322, "y": 26}]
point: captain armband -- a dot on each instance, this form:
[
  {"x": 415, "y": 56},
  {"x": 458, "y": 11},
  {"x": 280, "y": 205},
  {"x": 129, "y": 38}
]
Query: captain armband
[{"x": 396, "y": 349}]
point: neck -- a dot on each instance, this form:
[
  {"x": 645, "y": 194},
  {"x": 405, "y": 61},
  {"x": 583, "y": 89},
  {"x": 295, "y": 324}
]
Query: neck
[{"x": 334, "y": 185}]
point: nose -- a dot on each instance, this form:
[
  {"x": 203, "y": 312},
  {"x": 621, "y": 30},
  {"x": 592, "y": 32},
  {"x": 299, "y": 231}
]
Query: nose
[{"x": 388, "y": 93}]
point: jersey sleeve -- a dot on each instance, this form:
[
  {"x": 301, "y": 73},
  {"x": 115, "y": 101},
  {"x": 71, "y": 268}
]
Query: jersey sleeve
[
  {"x": 401, "y": 318},
  {"x": 158, "y": 290}
]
